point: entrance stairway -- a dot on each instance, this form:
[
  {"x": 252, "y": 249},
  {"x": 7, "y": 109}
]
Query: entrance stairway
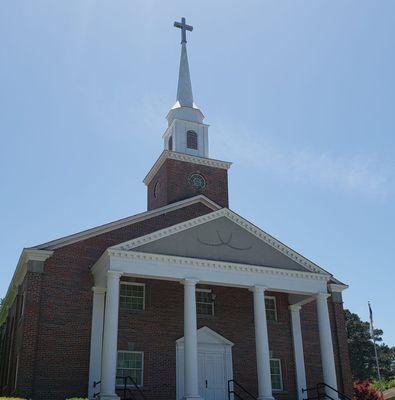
[
  {"x": 238, "y": 391},
  {"x": 319, "y": 392},
  {"x": 128, "y": 391}
]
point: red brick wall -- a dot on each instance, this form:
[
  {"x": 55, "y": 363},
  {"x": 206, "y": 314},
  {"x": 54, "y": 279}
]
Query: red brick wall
[
  {"x": 66, "y": 301},
  {"x": 338, "y": 323},
  {"x": 173, "y": 177},
  {"x": 30, "y": 328},
  {"x": 10, "y": 334}
]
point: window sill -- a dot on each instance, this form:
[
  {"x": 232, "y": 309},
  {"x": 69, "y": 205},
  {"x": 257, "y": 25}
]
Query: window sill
[
  {"x": 131, "y": 311},
  {"x": 130, "y": 387},
  {"x": 202, "y": 316}
]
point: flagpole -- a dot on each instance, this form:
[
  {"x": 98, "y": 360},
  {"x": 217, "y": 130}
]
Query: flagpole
[{"x": 374, "y": 341}]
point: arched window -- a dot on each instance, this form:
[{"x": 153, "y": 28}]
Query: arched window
[
  {"x": 170, "y": 143},
  {"x": 192, "y": 140}
]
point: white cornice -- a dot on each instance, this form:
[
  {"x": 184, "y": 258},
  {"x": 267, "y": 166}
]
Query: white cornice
[
  {"x": 216, "y": 265},
  {"x": 54, "y": 244},
  {"x": 167, "y": 132},
  {"x": 19, "y": 274},
  {"x": 334, "y": 287},
  {"x": 224, "y": 212},
  {"x": 166, "y": 154}
]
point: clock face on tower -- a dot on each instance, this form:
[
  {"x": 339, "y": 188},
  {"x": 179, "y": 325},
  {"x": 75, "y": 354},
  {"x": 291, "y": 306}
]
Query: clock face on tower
[{"x": 198, "y": 181}]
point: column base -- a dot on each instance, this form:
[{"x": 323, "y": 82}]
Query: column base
[{"x": 109, "y": 397}]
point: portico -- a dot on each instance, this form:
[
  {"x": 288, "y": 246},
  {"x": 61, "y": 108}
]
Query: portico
[{"x": 128, "y": 260}]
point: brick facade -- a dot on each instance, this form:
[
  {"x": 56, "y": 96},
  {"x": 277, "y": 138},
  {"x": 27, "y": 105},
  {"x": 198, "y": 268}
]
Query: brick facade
[
  {"x": 173, "y": 178},
  {"x": 62, "y": 337},
  {"x": 53, "y": 338}
]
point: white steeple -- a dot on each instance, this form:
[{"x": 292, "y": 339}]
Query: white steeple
[
  {"x": 186, "y": 132},
  {"x": 184, "y": 90}
]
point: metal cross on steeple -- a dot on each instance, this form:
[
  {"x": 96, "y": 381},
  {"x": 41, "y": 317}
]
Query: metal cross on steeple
[{"x": 184, "y": 28}]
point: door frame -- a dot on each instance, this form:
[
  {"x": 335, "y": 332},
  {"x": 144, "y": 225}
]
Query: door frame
[{"x": 208, "y": 341}]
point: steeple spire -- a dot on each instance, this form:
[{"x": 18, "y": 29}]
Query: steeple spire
[{"x": 184, "y": 90}]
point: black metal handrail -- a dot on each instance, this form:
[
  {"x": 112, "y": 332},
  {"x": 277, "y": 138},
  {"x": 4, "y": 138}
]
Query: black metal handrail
[
  {"x": 126, "y": 389},
  {"x": 94, "y": 387},
  {"x": 231, "y": 390},
  {"x": 321, "y": 395}
]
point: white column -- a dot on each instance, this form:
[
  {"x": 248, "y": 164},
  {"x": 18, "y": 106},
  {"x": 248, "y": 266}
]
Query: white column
[
  {"x": 262, "y": 345},
  {"x": 327, "y": 357},
  {"x": 110, "y": 338},
  {"x": 298, "y": 350},
  {"x": 96, "y": 338},
  {"x": 191, "y": 384}
]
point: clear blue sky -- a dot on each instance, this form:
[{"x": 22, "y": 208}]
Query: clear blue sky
[{"x": 299, "y": 94}]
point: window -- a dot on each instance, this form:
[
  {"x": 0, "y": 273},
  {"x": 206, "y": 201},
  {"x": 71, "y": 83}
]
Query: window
[
  {"x": 204, "y": 302},
  {"x": 130, "y": 363},
  {"x": 271, "y": 310},
  {"x": 275, "y": 373},
  {"x": 170, "y": 143},
  {"x": 192, "y": 140},
  {"x": 132, "y": 296}
]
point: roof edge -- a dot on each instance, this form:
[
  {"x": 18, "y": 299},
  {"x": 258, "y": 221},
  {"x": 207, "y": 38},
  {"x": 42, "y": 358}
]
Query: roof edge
[
  {"x": 244, "y": 223},
  {"x": 88, "y": 233},
  {"x": 19, "y": 273}
]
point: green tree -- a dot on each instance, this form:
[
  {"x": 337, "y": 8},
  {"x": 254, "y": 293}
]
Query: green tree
[{"x": 362, "y": 358}]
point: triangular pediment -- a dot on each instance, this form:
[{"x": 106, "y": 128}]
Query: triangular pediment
[
  {"x": 205, "y": 335},
  {"x": 221, "y": 236}
]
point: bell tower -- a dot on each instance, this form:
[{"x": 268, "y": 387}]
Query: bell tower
[
  {"x": 184, "y": 169},
  {"x": 186, "y": 132}
]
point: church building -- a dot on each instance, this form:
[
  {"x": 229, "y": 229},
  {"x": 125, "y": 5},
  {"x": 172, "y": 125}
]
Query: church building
[{"x": 187, "y": 300}]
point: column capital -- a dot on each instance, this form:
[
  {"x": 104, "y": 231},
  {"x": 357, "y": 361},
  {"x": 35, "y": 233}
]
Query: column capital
[
  {"x": 98, "y": 289},
  {"x": 295, "y": 307},
  {"x": 189, "y": 282},
  {"x": 321, "y": 296},
  {"x": 258, "y": 288},
  {"x": 114, "y": 274}
]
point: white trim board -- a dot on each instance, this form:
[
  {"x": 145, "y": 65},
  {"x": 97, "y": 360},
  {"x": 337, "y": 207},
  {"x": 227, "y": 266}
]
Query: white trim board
[
  {"x": 171, "y": 268},
  {"x": 173, "y": 155},
  {"x": 66, "y": 240}
]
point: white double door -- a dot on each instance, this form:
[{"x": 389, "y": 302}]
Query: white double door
[
  {"x": 212, "y": 375},
  {"x": 214, "y": 365}
]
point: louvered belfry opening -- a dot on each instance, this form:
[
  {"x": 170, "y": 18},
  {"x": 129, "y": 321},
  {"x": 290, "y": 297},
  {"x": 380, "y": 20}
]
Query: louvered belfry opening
[{"x": 192, "y": 140}]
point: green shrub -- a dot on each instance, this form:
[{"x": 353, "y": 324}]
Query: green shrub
[
  {"x": 384, "y": 384},
  {"x": 74, "y": 398},
  {"x": 11, "y": 398}
]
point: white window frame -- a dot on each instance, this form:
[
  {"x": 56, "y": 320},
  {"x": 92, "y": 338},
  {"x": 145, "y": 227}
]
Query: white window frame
[
  {"x": 212, "y": 302},
  {"x": 275, "y": 307},
  {"x": 134, "y": 284},
  {"x": 142, "y": 368},
  {"x": 281, "y": 374}
]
